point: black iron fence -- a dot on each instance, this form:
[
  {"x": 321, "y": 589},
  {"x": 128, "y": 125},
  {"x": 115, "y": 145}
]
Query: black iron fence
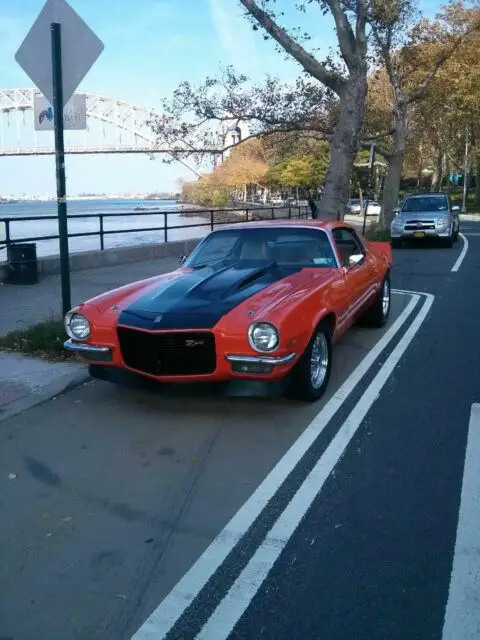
[{"x": 211, "y": 218}]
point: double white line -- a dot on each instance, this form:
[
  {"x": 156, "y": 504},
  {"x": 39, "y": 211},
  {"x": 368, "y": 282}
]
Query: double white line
[{"x": 235, "y": 602}]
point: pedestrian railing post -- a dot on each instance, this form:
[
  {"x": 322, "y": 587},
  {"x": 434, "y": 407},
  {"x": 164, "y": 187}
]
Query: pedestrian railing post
[
  {"x": 289, "y": 213},
  {"x": 102, "y": 239},
  {"x": 273, "y": 213},
  {"x": 212, "y": 221},
  {"x": 246, "y": 215},
  {"x": 165, "y": 226},
  {"x": 7, "y": 232}
]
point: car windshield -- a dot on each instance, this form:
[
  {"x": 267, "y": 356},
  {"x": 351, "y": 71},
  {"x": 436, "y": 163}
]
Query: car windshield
[
  {"x": 426, "y": 203},
  {"x": 283, "y": 246}
]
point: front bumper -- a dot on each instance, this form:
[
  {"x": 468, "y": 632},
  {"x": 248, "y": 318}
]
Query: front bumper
[
  {"x": 258, "y": 365},
  {"x": 439, "y": 232},
  {"x": 89, "y": 351},
  {"x": 228, "y": 366}
]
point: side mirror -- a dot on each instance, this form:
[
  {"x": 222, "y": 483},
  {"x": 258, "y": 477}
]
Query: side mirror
[
  {"x": 396, "y": 210},
  {"x": 456, "y": 208},
  {"x": 182, "y": 260},
  {"x": 356, "y": 259}
]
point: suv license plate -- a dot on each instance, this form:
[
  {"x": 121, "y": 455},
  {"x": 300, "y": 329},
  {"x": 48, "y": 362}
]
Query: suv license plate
[{"x": 419, "y": 234}]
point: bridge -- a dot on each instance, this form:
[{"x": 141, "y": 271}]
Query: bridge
[{"x": 123, "y": 128}]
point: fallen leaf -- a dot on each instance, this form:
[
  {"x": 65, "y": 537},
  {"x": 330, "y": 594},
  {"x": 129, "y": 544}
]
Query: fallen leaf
[
  {"x": 122, "y": 597},
  {"x": 68, "y": 519},
  {"x": 12, "y": 476}
]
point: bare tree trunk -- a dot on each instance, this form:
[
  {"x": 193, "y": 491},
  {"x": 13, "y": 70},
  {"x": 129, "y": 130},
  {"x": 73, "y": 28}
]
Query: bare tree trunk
[
  {"x": 477, "y": 179},
  {"x": 420, "y": 166},
  {"x": 437, "y": 174},
  {"x": 344, "y": 146},
  {"x": 447, "y": 172},
  {"x": 395, "y": 166}
]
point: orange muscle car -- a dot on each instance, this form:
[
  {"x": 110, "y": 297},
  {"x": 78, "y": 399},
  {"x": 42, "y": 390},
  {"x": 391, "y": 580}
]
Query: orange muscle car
[{"x": 261, "y": 300}]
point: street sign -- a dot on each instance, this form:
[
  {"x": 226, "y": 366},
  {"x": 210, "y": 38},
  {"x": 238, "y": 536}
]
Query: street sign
[
  {"x": 57, "y": 53},
  {"x": 74, "y": 113},
  {"x": 80, "y": 49}
]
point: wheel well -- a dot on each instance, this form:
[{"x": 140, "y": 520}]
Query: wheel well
[{"x": 330, "y": 320}]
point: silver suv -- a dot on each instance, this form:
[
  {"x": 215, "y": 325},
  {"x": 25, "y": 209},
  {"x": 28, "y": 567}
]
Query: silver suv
[{"x": 426, "y": 215}]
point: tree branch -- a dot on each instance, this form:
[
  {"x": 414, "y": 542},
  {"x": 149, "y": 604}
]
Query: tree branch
[
  {"x": 346, "y": 39},
  {"x": 330, "y": 79},
  {"x": 419, "y": 92}
]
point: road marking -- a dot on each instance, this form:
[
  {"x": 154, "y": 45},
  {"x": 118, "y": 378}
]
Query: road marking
[
  {"x": 471, "y": 233},
  {"x": 189, "y": 586},
  {"x": 462, "y": 615},
  {"x": 233, "y": 605},
  {"x": 462, "y": 255}
]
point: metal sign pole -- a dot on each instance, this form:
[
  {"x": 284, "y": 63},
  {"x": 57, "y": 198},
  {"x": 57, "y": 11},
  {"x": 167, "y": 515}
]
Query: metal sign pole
[
  {"x": 60, "y": 164},
  {"x": 371, "y": 163}
]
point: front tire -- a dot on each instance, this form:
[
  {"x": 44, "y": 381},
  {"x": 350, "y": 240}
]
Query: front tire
[
  {"x": 396, "y": 243},
  {"x": 311, "y": 374},
  {"x": 377, "y": 315}
]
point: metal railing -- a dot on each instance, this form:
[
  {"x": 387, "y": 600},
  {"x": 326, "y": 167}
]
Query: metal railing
[{"x": 213, "y": 218}]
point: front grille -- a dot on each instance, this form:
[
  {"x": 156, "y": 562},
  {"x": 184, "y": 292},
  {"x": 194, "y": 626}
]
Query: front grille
[
  {"x": 170, "y": 353},
  {"x": 419, "y": 225}
]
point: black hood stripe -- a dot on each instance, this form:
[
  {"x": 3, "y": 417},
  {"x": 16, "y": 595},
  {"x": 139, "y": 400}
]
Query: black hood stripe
[{"x": 199, "y": 299}]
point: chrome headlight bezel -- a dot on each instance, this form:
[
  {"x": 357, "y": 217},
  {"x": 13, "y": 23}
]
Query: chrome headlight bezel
[
  {"x": 442, "y": 222},
  {"x": 72, "y": 316},
  {"x": 267, "y": 326}
]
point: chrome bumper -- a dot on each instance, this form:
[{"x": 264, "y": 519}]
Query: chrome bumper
[
  {"x": 89, "y": 351},
  {"x": 268, "y": 360}
]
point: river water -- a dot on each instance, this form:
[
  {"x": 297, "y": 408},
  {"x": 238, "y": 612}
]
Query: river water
[{"x": 117, "y": 216}]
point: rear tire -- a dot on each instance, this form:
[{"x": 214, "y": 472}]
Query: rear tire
[
  {"x": 396, "y": 243},
  {"x": 377, "y": 315},
  {"x": 310, "y": 376}
]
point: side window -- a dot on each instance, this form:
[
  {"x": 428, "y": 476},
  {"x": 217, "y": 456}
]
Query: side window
[{"x": 347, "y": 244}]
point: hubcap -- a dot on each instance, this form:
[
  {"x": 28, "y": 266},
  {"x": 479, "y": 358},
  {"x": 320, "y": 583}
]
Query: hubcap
[
  {"x": 386, "y": 298},
  {"x": 319, "y": 361}
]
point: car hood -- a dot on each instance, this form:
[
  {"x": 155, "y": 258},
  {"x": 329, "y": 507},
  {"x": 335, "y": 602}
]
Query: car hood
[
  {"x": 198, "y": 299},
  {"x": 423, "y": 215}
]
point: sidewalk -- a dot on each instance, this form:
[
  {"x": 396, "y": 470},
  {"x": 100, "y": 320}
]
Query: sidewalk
[
  {"x": 24, "y": 305},
  {"x": 26, "y": 382}
]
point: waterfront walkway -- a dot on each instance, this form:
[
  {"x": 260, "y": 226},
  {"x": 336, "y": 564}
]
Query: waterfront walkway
[{"x": 24, "y": 305}]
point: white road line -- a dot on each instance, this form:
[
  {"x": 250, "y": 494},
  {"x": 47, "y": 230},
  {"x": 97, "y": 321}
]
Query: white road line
[
  {"x": 231, "y": 608},
  {"x": 185, "y": 591},
  {"x": 462, "y": 615},
  {"x": 462, "y": 255}
]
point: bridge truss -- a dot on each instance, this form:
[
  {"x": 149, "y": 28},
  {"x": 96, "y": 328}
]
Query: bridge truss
[{"x": 125, "y": 127}]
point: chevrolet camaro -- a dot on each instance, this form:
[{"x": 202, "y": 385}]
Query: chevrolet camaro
[{"x": 262, "y": 300}]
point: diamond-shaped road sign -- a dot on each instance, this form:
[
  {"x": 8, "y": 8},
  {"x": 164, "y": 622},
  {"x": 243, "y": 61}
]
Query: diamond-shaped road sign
[{"x": 80, "y": 48}]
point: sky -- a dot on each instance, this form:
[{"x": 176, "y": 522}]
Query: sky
[{"x": 150, "y": 47}]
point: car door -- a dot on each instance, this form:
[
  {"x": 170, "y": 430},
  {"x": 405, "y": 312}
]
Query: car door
[{"x": 359, "y": 272}]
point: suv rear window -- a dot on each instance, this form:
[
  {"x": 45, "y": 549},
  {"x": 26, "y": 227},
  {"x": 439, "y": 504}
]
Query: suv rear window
[{"x": 426, "y": 203}]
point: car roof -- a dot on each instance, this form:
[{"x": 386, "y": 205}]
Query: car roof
[
  {"x": 327, "y": 225},
  {"x": 433, "y": 194}
]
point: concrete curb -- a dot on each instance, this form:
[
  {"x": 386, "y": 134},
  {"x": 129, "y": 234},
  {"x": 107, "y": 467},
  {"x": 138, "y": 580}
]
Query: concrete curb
[{"x": 32, "y": 394}]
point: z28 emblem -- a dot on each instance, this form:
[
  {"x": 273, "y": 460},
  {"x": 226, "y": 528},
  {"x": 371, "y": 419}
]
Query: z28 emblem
[{"x": 194, "y": 343}]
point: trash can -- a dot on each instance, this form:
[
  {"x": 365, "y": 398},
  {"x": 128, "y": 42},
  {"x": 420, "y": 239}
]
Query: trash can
[{"x": 22, "y": 263}]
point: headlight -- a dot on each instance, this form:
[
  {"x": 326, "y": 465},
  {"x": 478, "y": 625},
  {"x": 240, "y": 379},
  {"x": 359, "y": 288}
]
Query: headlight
[
  {"x": 263, "y": 336},
  {"x": 397, "y": 222},
  {"x": 442, "y": 222},
  {"x": 77, "y": 326}
]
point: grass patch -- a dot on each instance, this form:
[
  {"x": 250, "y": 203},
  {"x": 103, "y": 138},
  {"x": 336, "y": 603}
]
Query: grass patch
[
  {"x": 376, "y": 233},
  {"x": 44, "y": 340}
]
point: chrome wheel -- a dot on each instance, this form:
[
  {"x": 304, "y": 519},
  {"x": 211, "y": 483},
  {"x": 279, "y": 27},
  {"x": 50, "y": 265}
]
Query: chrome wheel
[
  {"x": 319, "y": 361},
  {"x": 386, "y": 298}
]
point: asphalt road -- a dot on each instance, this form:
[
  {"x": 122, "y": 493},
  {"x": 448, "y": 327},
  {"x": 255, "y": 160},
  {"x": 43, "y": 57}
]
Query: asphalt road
[{"x": 232, "y": 512}]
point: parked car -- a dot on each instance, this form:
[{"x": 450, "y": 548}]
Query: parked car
[
  {"x": 426, "y": 216},
  {"x": 257, "y": 301},
  {"x": 354, "y": 208}
]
